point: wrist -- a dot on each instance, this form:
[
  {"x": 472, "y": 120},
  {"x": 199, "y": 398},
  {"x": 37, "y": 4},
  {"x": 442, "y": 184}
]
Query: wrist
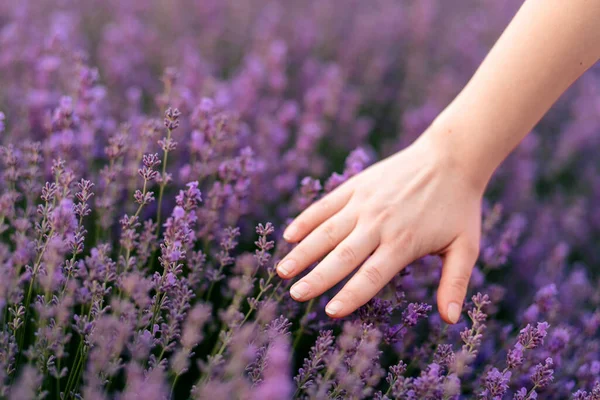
[{"x": 453, "y": 142}]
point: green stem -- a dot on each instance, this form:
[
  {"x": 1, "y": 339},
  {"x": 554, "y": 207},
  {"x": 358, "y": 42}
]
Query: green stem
[
  {"x": 173, "y": 386},
  {"x": 162, "y": 183},
  {"x": 21, "y": 340},
  {"x": 212, "y": 284},
  {"x": 72, "y": 261},
  {"x": 530, "y": 392},
  {"x": 161, "y": 355},
  {"x": 79, "y": 354},
  {"x": 274, "y": 292},
  {"x": 143, "y": 195},
  {"x": 248, "y": 313},
  {"x": 210, "y": 289},
  {"x": 301, "y": 330},
  {"x": 97, "y": 229},
  {"x": 329, "y": 370},
  {"x": 73, "y": 373},
  {"x": 58, "y": 381},
  {"x": 156, "y": 309},
  {"x": 137, "y": 213},
  {"x": 390, "y": 387},
  {"x": 257, "y": 299},
  {"x": 77, "y": 380}
]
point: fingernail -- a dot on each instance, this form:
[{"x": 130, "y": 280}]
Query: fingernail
[
  {"x": 454, "y": 312},
  {"x": 299, "y": 290},
  {"x": 290, "y": 233},
  {"x": 334, "y": 307},
  {"x": 286, "y": 266}
]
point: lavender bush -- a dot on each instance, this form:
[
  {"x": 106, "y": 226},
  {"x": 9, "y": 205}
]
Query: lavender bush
[{"x": 153, "y": 151}]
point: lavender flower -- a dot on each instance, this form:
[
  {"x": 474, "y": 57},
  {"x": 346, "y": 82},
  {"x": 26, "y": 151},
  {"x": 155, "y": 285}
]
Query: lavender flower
[
  {"x": 315, "y": 361},
  {"x": 531, "y": 337},
  {"x": 27, "y": 387},
  {"x": 543, "y": 374},
  {"x": 496, "y": 384},
  {"x": 151, "y": 386},
  {"x": 515, "y": 356},
  {"x": 276, "y": 383},
  {"x": 415, "y": 311},
  {"x": 429, "y": 385}
]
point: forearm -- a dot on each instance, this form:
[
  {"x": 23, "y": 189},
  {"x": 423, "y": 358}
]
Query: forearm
[{"x": 545, "y": 48}]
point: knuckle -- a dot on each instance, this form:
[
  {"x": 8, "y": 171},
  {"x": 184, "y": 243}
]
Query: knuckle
[
  {"x": 405, "y": 240},
  {"x": 373, "y": 275},
  {"x": 300, "y": 253},
  {"x": 300, "y": 223},
  {"x": 383, "y": 215},
  {"x": 347, "y": 255},
  {"x": 316, "y": 277},
  {"x": 459, "y": 283},
  {"x": 324, "y": 204},
  {"x": 351, "y": 297},
  {"x": 329, "y": 231},
  {"x": 353, "y": 196}
]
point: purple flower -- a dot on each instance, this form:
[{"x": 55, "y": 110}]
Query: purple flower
[
  {"x": 531, "y": 337},
  {"x": 263, "y": 245},
  {"x": 521, "y": 394},
  {"x": 315, "y": 360},
  {"x": 171, "y": 123},
  {"x": 27, "y": 385},
  {"x": 444, "y": 356},
  {"x": 545, "y": 298},
  {"x": 429, "y": 385},
  {"x": 496, "y": 384},
  {"x": 151, "y": 386},
  {"x": 543, "y": 374},
  {"x": 559, "y": 340},
  {"x": 514, "y": 357},
  {"x": 309, "y": 190},
  {"x": 414, "y": 311},
  {"x": 276, "y": 383},
  {"x": 63, "y": 219}
]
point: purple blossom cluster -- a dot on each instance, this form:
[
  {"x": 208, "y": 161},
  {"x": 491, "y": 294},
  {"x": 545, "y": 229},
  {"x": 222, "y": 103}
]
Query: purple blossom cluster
[{"x": 152, "y": 152}]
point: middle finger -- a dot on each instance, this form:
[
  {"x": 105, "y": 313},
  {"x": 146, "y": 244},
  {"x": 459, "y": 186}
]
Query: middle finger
[
  {"x": 318, "y": 243},
  {"x": 338, "y": 264}
]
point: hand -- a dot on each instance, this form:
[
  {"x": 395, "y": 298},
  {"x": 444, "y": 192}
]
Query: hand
[{"x": 416, "y": 202}]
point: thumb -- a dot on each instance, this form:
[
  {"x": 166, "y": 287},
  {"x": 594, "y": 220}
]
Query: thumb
[{"x": 459, "y": 261}]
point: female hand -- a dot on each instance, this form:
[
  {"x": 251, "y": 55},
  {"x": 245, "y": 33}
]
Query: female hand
[
  {"x": 426, "y": 199},
  {"x": 417, "y": 202}
]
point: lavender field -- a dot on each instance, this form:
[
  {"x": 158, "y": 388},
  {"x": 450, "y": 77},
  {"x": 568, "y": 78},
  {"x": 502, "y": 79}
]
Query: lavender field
[{"x": 152, "y": 152}]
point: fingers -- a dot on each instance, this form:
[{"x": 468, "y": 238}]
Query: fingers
[
  {"x": 317, "y": 244},
  {"x": 375, "y": 273},
  {"x": 317, "y": 213},
  {"x": 456, "y": 272},
  {"x": 344, "y": 259}
]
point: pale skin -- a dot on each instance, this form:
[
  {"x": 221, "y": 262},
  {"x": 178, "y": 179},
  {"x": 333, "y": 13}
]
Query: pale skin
[{"x": 426, "y": 199}]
